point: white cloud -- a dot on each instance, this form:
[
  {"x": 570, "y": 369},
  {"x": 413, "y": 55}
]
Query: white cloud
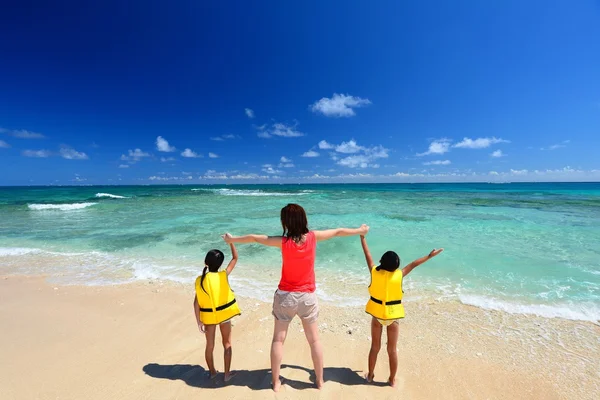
[
  {"x": 213, "y": 155},
  {"x": 4, "y": 145},
  {"x": 340, "y": 105},
  {"x": 268, "y": 168},
  {"x": 71, "y": 154},
  {"x": 310, "y": 154},
  {"x": 36, "y": 153},
  {"x": 284, "y": 159},
  {"x": 479, "y": 143},
  {"x": 279, "y": 129},
  {"x": 557, "y": 146},
  {"x": 285, "y": 162},
  {"x": 494, "y": 173},
  {"x": 224, "y": 137},
  {"x": 134, "y": 155},
  {"x": 323, "y": 145},
  {"x": 364, "y": 160},
  {"x": 249, "y": 112},
  {"x": 163, "y": 145},
  {"x": 188, "y": 153},
  {"x": 349, "y": 147},
  {"x": 438, "y": 162},
  {"x": 123, "y": 166},
  {"x": 22, "y": 133},
  {"x": 167, "y": 159},
  {"x": 518, "y": 171},
  {"x": 498, "y": 154},
  {"x": 439, "y": 146}
]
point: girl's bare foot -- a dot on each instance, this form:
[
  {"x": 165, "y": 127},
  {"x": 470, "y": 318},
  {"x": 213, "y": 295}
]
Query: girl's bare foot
[
  {"x": 392, "y": 382},
  {"x": 213, "y": 374},
  {"x": 369, "y": 377},
  {"x": 276, "y": 385},
  {"x": 229, "y": 375}
]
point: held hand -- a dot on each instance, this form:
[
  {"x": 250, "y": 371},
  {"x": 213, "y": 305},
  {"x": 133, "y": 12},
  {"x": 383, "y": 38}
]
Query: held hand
[
  {"x": 364, "y": 229},
  {"x": 435, "y": 252},
  {"x": 227, "y": 237}
]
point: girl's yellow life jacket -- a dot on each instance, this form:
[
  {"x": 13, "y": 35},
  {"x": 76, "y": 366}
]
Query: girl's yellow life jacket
[
  {"x": 386, "y": 294},
  {"x": 217, "y": 303}
]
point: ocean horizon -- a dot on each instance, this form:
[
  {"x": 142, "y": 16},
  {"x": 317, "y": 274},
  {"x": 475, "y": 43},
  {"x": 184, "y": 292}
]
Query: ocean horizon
[{"x": 527, "y": 248}]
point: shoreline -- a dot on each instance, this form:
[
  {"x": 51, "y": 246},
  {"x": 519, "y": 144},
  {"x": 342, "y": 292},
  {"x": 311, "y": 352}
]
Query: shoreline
[{"x": 139, "y": 340}]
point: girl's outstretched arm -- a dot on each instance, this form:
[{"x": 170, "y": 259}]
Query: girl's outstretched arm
[
  {"x": 234, "y": 255},
  {"x": 406, "y": 270},
  {"x": 274, "y": 241},
  {"x": 368, "y": 258},
  {"x": 331, "y": 233}
]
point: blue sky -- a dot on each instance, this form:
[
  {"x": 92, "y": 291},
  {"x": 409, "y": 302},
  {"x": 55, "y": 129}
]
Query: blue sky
[{"x": 200, "y": 92}]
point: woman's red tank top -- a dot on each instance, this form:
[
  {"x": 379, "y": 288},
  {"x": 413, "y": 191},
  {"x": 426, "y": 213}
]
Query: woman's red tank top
[{"x": 298, "y": 271}]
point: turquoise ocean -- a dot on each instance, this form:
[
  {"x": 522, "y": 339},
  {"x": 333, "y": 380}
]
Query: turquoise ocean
[{"x": 531, "y": 248}]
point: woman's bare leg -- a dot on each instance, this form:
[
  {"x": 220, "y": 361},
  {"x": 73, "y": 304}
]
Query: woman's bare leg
[
  {"x": 376, "y": 330},
  {"x": 393, "y": 331},
  {"x": 279, "y": 334},
  {"x": 311, "y": 330},
  {"x": 210, "y": 347}
]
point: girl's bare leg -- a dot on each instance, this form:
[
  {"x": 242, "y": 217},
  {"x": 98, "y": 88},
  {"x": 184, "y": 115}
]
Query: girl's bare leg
[
  {"x": 227, "y": 351},
  {"x": 376, "y": 330},
  {"x": 210, "y": 347},
  {"x": 393, "y": 331}
]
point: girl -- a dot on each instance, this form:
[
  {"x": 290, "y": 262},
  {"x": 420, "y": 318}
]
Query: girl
[
  {"x": 215, "y": 304},
  {"x": 385, "y": 304},
  {"x": 296, "y": 292}
]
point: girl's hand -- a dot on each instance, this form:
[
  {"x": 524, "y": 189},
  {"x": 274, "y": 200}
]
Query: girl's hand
[
  {"x": 227, "y": 237},
  {"x": 435, "y": 252},
  {"x": 201, "y": 327},
  {"x": 364, "y": 229}
]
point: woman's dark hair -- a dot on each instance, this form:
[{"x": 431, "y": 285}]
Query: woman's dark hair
[
  {"x": 294, "y": 222},
  {"x": 389, "y": 262},
  {"x": 213, "y": 261}
]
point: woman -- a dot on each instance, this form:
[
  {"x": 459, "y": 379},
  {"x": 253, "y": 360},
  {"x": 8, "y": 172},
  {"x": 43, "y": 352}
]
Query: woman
[{"x": 296, "y": 292}]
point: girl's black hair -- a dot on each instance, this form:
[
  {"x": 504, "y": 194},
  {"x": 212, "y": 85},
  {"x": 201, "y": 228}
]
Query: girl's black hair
[
  {"x": 389, "y": 262},
  {"x": 212, "y": 261},
  {"x": 294, "y": 222}
]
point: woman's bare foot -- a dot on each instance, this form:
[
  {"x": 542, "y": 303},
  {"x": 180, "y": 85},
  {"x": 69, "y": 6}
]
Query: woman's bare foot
[
  {"x": 392, "y": 382},
  {"x": 319, "y": 385},
  {"x": 369, "y": 377},
  {"x": 229, "y": 375}
]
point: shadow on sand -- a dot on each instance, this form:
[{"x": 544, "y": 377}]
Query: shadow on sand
[{"x": 197, "y": 376}]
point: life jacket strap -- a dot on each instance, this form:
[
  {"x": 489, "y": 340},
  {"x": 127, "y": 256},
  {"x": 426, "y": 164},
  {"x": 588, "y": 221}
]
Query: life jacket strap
[
  {"x": 220, "y": 308},
  {"x": 388, "y": 303}
]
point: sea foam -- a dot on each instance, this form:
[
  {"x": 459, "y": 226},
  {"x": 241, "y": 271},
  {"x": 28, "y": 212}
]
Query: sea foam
[
  {"x": 254, "y": 193},
  {"x": 112, "y": 196},
  {"x": 61, "y": 207}
]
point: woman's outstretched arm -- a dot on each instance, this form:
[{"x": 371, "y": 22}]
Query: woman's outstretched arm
[
  {"x": 331, "y": 233},
  {"x": 265, "y": 240}
]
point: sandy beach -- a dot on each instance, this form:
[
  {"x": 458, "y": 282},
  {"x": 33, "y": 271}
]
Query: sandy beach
[{"x": 140, "y": 341}]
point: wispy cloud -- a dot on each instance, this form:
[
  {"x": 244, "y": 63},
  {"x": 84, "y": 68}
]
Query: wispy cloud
[
  {"x": 167, "y": 159},
  {"x": 310, "y": 154},
  {"x": 349, "y": 147},
  {"x": 22, "y": 133},
  {"x": 249, "y": 112},
  {"x": 285, "y": 162},
  {"x": 163, "y": 145},
  {"x": 134, "y": 155},
  {"x": 213, "y": 155},
  {"x": 69, "y": 153},
  {"x": 340, "y": 105},
  {"x": 497, "y": 154},
  {"x": 224, "y": 137},
  {"x": 279, "y": 129},
  {"x": 268, "y": 168},
  {"x": 124, "y": 166},
  {"x": 4, "y": 145},
  {"x": 479, "y": 143},
  {"x": 188, "y": 153},
  {"x": 557, "y": 146},
  {"x": 324, "y": 145},
  {"x": 37, "y": 153},
  {"x": 364, "y": 159},
  {"x": 438, "y": 162},
  {"x": 439, "y": 146}
]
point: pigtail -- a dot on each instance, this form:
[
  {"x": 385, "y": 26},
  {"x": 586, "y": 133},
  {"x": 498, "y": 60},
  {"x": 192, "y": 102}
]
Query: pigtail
[{"x": 202, "y": 279}]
